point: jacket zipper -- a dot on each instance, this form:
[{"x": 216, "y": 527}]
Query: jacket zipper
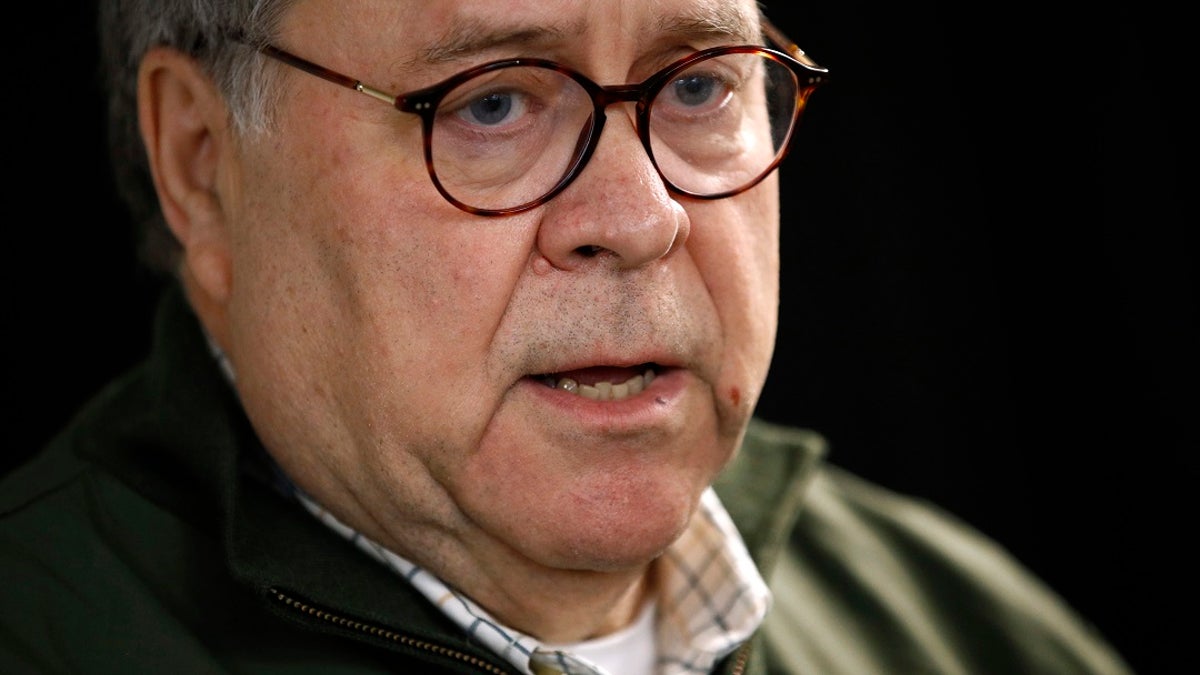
[
  {"x": 384, "y": 633},
  {"x": 739, "y": 665}
]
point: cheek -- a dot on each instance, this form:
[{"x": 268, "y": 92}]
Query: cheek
[
  {"x": 364, "y": 241},
  {"x": 364, "y": 304},
  {"x": 737, "y": 251}
]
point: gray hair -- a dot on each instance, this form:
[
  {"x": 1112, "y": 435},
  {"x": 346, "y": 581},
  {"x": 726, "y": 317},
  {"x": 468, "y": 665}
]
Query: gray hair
[{"x": 215, "y": 33}]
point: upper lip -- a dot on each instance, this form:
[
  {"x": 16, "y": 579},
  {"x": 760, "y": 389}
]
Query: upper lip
[{"x": 656, "y": 358}]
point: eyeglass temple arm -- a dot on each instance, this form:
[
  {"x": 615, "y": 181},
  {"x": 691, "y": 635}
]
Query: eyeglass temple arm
[
  {"x": 790, "y": 48},
  {"x": 327, "y": 74}
]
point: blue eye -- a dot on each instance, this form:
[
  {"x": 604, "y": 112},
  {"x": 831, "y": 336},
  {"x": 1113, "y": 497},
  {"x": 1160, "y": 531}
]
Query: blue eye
[
  {"x": 495, "y": 107},
  {"x": 490, "y": 109},
  {"x": 694, "y": 89}
]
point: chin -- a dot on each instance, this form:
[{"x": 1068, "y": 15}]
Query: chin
[
  {"x": 620, "y": 526},
  {"x": 619, "y": 549},
  {"x": 591, "y": 501}
]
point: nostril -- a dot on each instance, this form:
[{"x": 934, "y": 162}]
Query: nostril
[{"x": 590, "y": 251}]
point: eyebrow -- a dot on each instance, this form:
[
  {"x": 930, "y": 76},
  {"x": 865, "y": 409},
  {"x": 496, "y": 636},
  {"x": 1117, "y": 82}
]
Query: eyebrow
[
  {"x": 716, "y": 21},
  {"x": 713, "y": 22}
]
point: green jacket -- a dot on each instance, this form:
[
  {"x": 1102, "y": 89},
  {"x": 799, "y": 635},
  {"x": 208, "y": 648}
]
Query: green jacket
[{"x": 148, "y": 538}]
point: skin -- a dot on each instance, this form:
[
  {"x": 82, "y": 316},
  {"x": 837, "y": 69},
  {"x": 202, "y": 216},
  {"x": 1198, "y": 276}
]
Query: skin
[{"x": 384, "y": 341}]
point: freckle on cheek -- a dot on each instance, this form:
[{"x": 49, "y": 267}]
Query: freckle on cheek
[{"x": 735, "y": 396}]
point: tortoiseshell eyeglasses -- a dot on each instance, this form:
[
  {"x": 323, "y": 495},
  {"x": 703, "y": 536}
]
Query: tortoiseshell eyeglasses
[{"x": 507, "y": 136}]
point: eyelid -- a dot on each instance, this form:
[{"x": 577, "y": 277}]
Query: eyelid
[
  {"x": 661, "y": 59},
  {"x": 523, "y": 81}
]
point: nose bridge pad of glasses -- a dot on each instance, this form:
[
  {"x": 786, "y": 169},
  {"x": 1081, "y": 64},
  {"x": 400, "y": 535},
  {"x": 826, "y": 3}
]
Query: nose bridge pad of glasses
[{"x": 589, "y": 136}]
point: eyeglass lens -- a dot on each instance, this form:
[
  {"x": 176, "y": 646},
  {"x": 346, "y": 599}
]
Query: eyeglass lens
[{"x": 509, "y": 136}]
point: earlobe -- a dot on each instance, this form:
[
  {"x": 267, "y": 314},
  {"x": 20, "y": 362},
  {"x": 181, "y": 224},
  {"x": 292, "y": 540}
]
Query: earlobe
[{"x": 183, "y": 124}]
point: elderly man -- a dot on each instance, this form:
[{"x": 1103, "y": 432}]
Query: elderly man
[{"x": 459, "y": 371}]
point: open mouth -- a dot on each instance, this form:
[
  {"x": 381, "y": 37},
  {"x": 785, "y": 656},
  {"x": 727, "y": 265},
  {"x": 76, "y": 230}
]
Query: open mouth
[{"x": 603, "y": 383}]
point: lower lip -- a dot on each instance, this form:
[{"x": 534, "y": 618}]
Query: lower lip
[{"x": 660, "y": 400}]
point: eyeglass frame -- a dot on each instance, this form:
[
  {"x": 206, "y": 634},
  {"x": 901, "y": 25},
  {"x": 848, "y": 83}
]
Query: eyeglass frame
[{"x": 424, "y": 103}]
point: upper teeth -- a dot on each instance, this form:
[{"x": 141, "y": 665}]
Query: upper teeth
[{"x": 605, "y": 391}]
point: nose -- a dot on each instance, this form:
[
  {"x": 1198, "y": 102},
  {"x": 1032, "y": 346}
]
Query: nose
[{"x": 617, "y": 212}]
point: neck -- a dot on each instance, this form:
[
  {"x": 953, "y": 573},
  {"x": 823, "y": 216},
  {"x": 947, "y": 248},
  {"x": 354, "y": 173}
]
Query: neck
[
  {"x": 554, "y": 605},
  {"x": 554, "y": 602}
]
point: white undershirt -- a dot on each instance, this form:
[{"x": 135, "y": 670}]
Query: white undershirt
[{"x": 629, "y": 651}]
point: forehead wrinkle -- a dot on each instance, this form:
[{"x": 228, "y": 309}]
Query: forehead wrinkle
[{"x": 467, "y": 37}]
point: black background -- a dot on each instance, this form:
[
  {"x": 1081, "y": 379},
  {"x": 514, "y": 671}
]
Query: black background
[{"x": 988, "y": 276}]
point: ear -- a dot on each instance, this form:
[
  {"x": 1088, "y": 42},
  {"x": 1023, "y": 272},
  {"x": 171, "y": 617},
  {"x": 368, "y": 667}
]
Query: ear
[{"x": 183, "y": 122}]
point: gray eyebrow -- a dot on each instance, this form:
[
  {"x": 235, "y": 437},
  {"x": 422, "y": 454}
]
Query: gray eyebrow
[{"x": 715, "y": 21}]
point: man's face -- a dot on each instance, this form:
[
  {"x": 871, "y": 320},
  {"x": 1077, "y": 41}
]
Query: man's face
[{"x": 394, "y": 352}]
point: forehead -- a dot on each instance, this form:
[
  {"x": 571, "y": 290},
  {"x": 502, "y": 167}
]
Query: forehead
[{"x": 437, "y": 31}]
